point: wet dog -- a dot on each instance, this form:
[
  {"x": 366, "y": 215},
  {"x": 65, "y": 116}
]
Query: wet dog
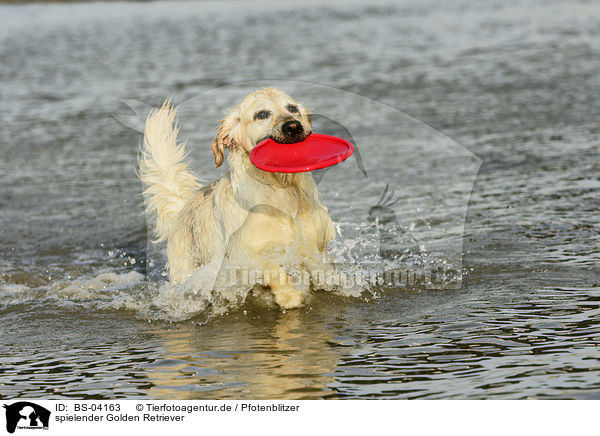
[{"x": 248, "y": 210}]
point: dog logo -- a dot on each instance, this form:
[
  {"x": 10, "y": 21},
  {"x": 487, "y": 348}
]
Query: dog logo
[
  {"x": 26, "y": 415},
  {"x": 395, "y": 240},
  {"x": 391, "y": 149}
]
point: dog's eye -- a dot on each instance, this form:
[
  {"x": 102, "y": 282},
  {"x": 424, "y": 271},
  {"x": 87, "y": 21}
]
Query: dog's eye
[
  {"x": 293, "y": 109},
  {"x": 262, "y": 115}
]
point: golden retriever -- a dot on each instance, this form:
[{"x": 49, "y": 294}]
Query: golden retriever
[{"x": 248, "y": 210}]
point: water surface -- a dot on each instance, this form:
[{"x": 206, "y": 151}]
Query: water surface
[{"x": 81, "y": 312}]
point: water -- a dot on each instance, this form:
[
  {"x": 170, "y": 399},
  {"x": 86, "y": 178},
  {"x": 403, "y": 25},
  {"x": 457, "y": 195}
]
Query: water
[{"x": 83, "y": 315}]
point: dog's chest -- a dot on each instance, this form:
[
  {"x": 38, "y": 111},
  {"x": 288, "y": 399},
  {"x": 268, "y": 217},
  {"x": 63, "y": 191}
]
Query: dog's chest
[{"x": 310, "y": 225}]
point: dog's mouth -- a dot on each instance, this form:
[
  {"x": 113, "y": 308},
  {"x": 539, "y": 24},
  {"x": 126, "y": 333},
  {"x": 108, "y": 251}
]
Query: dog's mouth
[{"x": 286, "y": 139}]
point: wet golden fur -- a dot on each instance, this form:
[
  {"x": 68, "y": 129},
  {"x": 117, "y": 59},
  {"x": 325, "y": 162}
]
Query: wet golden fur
[{"x": 247, "y": 209}]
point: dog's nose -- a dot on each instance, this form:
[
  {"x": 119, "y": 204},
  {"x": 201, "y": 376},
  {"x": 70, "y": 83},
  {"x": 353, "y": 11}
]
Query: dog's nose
[{"x": 292, "y": 128}]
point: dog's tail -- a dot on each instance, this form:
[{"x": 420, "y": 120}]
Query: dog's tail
[{"x": 162, "y": 168}]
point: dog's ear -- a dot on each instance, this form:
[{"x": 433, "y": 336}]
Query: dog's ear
[{"x": 227, "y": 135}]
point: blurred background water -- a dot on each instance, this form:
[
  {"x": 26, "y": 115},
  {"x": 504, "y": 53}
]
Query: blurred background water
[{"x": 515, "y": 84}]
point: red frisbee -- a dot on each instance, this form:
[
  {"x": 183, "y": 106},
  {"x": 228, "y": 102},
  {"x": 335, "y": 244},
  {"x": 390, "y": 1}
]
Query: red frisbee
[{"x": 315, "y": 152}]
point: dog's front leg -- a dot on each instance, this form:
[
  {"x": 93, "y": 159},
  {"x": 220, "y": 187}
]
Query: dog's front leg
[
  {"x": 287, "y": 296},
  {"x": 266, "y": 233}
]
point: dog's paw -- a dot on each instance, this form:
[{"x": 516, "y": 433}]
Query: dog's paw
[{"x": 289, "y": 298}]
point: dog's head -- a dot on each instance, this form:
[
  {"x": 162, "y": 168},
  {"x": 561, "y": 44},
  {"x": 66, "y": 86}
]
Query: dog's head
[{"x": 267, "y": 113}]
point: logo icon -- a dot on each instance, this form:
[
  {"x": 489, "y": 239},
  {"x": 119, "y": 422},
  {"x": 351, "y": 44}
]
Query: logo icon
[{"x": 26, "y": 415}]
